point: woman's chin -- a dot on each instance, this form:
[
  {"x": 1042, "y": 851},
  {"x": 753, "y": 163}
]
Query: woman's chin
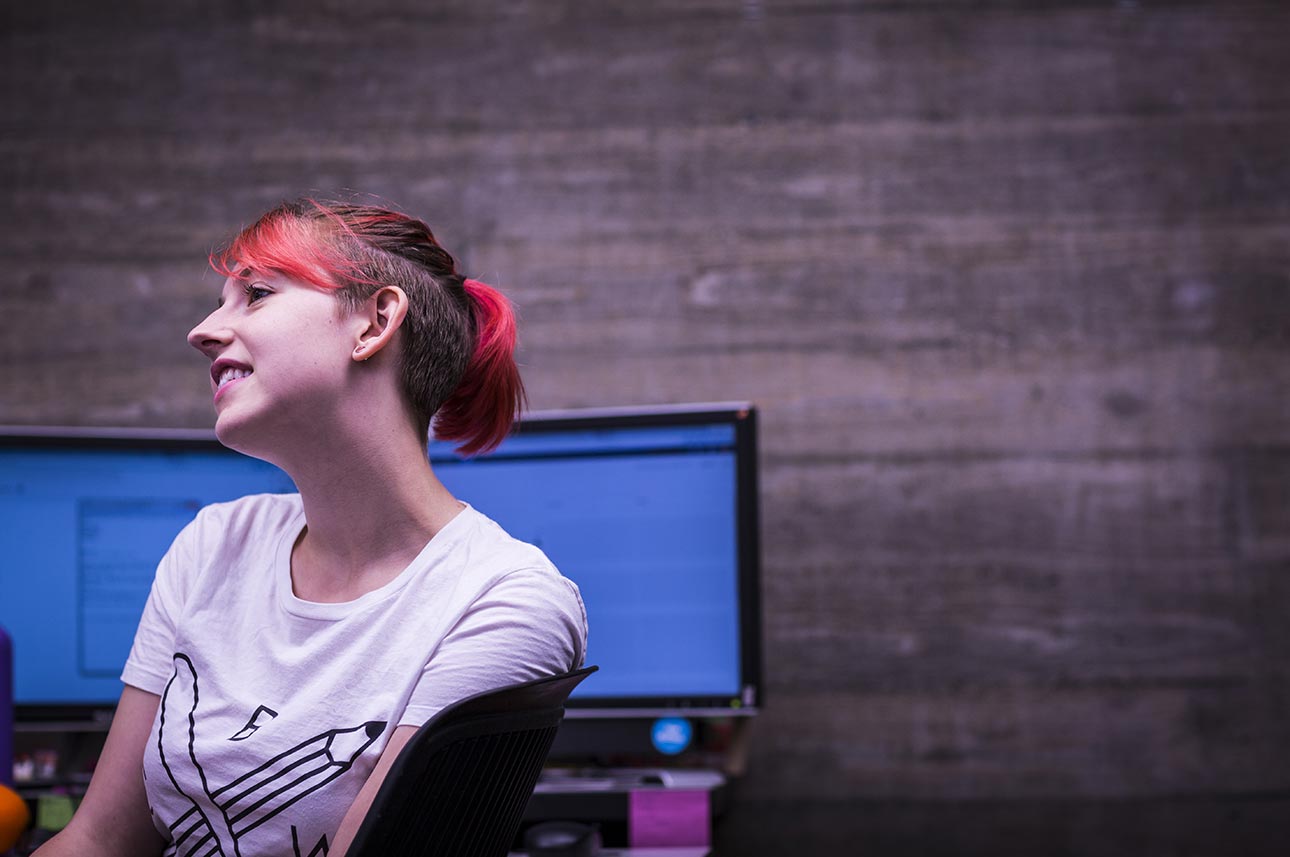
[
  {"x": 256, "y": 441},
  {"x": 231, "y": 433}
]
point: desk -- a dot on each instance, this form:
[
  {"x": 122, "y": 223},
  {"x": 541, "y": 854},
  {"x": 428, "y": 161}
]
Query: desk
[
  {"x": 642, "y": 852},
  {"x": 629, "y": 810}
]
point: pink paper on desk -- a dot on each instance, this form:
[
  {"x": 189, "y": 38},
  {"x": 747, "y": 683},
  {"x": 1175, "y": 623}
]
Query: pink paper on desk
[{"x": 661, "y": 817}]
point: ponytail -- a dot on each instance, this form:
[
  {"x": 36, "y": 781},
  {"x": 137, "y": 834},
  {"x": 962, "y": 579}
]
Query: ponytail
[{"x": 488, "y": 400}]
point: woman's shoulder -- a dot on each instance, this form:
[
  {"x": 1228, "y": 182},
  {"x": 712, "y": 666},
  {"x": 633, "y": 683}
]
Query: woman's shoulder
[
  {"x": 254, "y": 507},
  {"x": 221, "y": 535},
  {"x": 253, "y": 514},
  {"x": 542, "y": 597},
  {"x": 516, "y": 565},
  {"x": 488, "y": 538}
]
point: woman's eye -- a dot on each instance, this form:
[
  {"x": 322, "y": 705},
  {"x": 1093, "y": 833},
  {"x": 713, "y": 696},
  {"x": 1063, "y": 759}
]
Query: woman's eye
[{"x": 254, "y": 292}]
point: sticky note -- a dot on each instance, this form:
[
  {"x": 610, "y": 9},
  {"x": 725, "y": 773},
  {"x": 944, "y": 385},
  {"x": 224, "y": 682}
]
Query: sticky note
[
  {"x": 53, "y": 812},
  {"x": 663, "y": 817}
]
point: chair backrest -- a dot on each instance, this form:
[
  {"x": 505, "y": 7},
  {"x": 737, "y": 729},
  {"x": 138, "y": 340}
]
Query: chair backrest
[{"x": 460, "y": 786}]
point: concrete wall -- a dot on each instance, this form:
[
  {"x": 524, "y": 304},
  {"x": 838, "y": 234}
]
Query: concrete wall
[{"x": 1009, "y": 281}]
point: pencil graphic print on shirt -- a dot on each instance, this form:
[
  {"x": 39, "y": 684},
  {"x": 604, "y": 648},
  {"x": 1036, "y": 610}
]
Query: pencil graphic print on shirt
[
  {"x": 220, "y": 816},
  {"x": 321, "y": 848},
  {"x": 178, "y": 729},
  {"x": 258, "y": 719}
]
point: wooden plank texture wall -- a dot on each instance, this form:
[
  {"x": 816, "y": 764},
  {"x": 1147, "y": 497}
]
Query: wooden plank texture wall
[{"x": 1009, "y": 281}]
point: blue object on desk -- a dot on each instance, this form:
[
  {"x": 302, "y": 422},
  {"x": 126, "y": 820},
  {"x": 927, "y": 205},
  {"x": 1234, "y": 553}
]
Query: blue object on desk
[{"x": 671, "y": 735}]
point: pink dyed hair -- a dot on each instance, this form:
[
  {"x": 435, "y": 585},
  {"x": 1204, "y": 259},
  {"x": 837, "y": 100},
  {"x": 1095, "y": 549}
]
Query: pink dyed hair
[{"x": 459, "y": 336}]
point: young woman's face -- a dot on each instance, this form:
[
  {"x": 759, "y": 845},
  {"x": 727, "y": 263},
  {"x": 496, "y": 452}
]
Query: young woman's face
[{"x": 280, "y": 353}]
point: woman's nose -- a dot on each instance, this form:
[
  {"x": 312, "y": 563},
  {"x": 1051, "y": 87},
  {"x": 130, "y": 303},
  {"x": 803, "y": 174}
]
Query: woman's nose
[{"x": 210, "y": 335}]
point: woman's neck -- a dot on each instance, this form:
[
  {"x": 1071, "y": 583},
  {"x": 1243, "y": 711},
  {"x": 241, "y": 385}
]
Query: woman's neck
[{"x": 368, "y": 514}]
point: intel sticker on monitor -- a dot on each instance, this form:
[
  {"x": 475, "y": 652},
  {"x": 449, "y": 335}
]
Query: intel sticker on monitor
[{"x": 671, "y": 735}]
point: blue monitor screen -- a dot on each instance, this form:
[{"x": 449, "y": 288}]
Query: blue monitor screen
[{"x": 649, "y": 515}]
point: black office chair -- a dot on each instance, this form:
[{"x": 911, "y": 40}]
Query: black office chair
[{"x": 460, "y": 786}]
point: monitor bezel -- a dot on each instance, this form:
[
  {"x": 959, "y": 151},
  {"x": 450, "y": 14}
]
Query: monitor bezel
[{"x": 741, "y": 415}]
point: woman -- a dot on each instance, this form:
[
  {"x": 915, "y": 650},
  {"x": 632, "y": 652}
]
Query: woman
[{"x": 292, "y": 644}]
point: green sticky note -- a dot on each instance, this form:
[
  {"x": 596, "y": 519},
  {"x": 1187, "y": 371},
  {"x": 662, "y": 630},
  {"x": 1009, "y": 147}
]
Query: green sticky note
[{"x": 53, "y": 811}]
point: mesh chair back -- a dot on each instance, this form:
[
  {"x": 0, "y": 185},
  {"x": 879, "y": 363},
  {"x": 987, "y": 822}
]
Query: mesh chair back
[{"x": 460, "y": 786}]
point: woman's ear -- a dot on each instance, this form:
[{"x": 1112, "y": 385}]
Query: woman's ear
[{"x": 380, "y": 318}]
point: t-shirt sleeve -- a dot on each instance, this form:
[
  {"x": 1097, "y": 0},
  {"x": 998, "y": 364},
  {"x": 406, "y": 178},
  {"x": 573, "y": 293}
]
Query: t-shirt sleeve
[
  {"x": 149, "y": 665},
  {"x": 530, "y": 624}
]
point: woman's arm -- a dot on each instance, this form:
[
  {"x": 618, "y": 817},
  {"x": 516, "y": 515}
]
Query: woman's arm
[
  {"x": 113, "y": 820},
  {"x": 363, "y": 801}
]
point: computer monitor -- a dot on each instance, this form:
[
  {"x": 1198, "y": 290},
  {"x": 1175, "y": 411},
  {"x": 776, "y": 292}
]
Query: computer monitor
[{"x": 652, "y": 512}]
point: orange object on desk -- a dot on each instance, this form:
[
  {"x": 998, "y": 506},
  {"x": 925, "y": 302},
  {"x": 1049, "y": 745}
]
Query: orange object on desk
[{"x": 14, "y": 817}]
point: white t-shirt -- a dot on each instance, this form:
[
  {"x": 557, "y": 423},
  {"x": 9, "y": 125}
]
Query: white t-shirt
[{"x": 274, "y": 710}]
